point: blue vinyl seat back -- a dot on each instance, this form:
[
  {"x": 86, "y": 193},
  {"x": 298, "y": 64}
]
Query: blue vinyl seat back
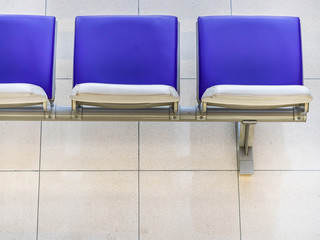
[
  {"x": 126, "y": 50},
  {"x": 27, "y": 50},
  {"x": 249, "y": 50}
]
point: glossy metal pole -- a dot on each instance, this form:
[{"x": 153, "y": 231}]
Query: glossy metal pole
[{"x": 185, "y": 114}]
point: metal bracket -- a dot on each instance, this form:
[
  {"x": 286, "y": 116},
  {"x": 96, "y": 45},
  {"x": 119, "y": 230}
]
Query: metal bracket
[
  {"x": 77, "y": 112},
  {"x": 50, "y": 113},
  {"x": 174, "y": 115},
  {"x": 202, "y": 112},
  {"x": 174, "y": 112},
  {"x": 300, "y": 112},
  {"x": 244, "y": 134}
]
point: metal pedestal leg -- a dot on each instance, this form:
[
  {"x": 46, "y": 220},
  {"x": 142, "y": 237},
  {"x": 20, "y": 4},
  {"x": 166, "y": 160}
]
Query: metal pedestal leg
[{"x": 245, "y": 133}]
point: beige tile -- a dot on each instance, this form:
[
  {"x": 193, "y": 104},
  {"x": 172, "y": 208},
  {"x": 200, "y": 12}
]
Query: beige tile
[
  {"x": 290, "y": 146},
  {"x": 88, "y": 205},
  {"x": 18, "y": 205},
  {"x": 64, "y": 50},
  {"x": 193, "y": 146},
  {"x": 63, "y": 91},
  {"x": 89, "y": 145},
  {"x": 189, "y": 205},
  {"x": 67, "y": 10},
  {"x": 188, "y": 89},
  {"x": 187, "y": 12},
  {"x": 36, "y": 7},
  {"x": 307, "y": 10},
  {"x": 20, "y": 145},
  {"x": 280, "y": 205}
]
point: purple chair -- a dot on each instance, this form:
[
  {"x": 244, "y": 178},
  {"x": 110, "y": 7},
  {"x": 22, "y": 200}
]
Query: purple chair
[
  {"x": 125, "y": 62},
  {"x": 249, "y": 62},
  {"x": 251, "y": 65},
  {"x": 26, "y": 60}
]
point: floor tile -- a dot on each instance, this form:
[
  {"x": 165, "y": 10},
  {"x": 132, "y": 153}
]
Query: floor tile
[
  {"x": 187, "y": 12},
  {"x": 307, "y": 10},
  {"x": 36, "y": 7},
  {"x": 88, "y": 205},
  {"x": 18, "y": 205},
  {"x": 280, "y": 205},
  {"x": 90, "y": 146},
  {"x": 192, "y": 146},
  {"x": 67, "y": 10},
  {"x": 189, "y": 205},
  {"x": 290, "y": 146},
  {"x": 63, "y": 91},
  {"x": 188, "y": 92},
  {"x": 20, "y": 145}
]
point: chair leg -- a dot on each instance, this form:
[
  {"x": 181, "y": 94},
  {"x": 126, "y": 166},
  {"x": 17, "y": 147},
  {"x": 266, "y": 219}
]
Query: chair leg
[{"x": 244, "y": 134}]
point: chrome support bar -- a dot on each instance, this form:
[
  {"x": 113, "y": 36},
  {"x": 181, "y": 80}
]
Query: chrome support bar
[{"x": 184, "y": 114}]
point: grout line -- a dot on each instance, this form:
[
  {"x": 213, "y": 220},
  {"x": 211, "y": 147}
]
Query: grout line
[
  {"x": 154, "y": 170},
  {"x": 138, "y": 180},
  {"x": 138, "y": 7},
  {"x": 182, "y": 78},
  {"x": 187, "y": 170},
  {"x": 140, "y": 170},
  {"x": 47, "y": 170},
  {"x": 297, "y": 170},
  {"x": 38, "y": 204},
  {"x": 231, "y": 7},
  {"x": 238, "y": 176},
  {"x": 45, "y": 7},
  {"x": 23, "y": 171},
  {"x": 239, "y": 204}
]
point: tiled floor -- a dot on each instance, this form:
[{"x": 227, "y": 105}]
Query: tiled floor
[
  {"x": 160, "y": 204},
  {"x": 280, "y": 205},
  {"x": 168, "y": 181},
  {"x": 18, "y": 205},
  {"x": 88, "y": 205},
  {"x": 174, "y": 195}
]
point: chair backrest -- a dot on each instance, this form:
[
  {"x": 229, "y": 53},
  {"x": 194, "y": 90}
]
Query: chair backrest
[
  {"x": 126, "y": 50},
  {"x": 27, "y": 50},
  {"x": 249, "y": 50}
]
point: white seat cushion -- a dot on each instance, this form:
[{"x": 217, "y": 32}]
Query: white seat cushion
[
  {"x": 124, "y": 94},
  {"x": 256, "y": 96},
  {"x": 22, "y": 94}
]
